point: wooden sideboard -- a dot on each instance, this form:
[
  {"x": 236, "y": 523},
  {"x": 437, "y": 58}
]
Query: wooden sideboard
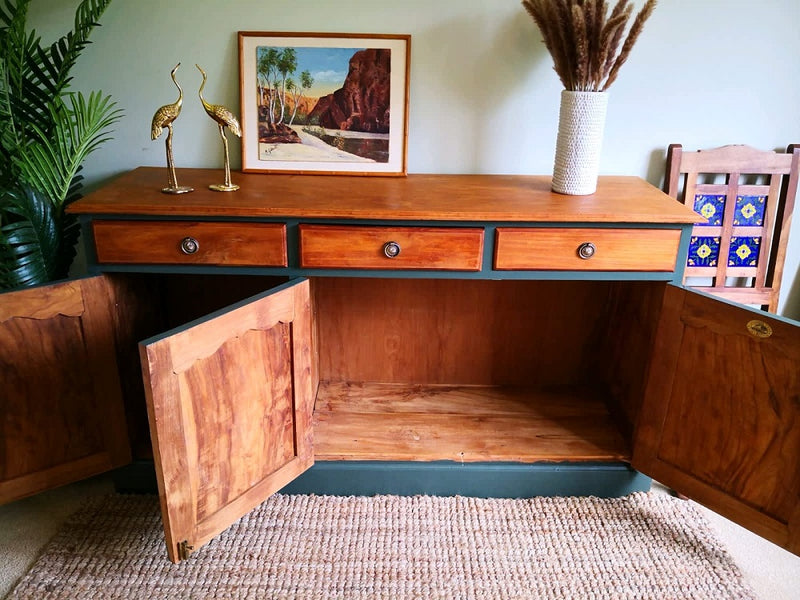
[{"x": 427, "y": 334}]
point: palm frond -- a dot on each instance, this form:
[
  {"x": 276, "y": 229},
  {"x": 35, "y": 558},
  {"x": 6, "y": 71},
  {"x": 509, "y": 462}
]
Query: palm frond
[
  {"x": 7, "y": 132},
  {"x": 45, "y": 135},
  {"x": 30, "y": 239},
  {"x": 52, "y": 161},
  {"x": 75, "y": 186},
  {"x": 53, "y": 65},
  {"x": 37, "y": 75},
  {"x": 15, "y": 45}
]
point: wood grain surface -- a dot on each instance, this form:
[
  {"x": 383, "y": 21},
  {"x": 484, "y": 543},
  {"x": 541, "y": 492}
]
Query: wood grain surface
[
  {"x": 159, "y": 242},
  {"x": 415, "y": 197},
  {"x": 458, "y": 331},
  {"x": 556, "y": 248},
  {"x": 230, "y": 402},
  {"x": 361, "y": 247},
  {"x": 61, "y": 416},
  {"x": 721, "y": 418},
  {"x": 374, "y": 421}
]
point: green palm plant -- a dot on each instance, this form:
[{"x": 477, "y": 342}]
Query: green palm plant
[{"x": 46, "y": 133}]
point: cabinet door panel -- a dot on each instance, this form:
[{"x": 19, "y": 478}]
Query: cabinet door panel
[
  {"x": 61, "y": 412},
  {"x": 230, "y": 400},
  {"x": 721, "y": 417}
]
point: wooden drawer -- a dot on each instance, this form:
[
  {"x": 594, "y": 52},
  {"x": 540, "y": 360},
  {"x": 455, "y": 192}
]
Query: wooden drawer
[
  {"x": 611, "y": 249},
  {"x": 360, "y": 247},
  {"x": 162, "y": 242}
]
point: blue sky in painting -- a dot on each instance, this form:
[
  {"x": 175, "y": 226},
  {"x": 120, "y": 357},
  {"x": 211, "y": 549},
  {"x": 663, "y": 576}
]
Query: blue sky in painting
[{"x": 328, "y": 66}]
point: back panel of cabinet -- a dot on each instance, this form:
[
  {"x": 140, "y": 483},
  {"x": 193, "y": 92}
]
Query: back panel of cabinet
[
  {"x": 425, "y": 370},
  {"x": 530, "y": 333}
]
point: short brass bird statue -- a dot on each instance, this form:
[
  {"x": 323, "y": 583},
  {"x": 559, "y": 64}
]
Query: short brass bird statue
[
  {"x": 224, "y": 118},
  {"x": 165, "y": 117}
]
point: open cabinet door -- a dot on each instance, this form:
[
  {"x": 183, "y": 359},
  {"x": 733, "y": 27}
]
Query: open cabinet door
[
  {"x": 61, "y": 413},
  {"x": 230, "y": 401},
  {"x": 720, "y": 421}
]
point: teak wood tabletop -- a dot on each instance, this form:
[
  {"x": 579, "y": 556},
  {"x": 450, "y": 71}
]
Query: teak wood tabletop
[{"x": 511, "y": 198}]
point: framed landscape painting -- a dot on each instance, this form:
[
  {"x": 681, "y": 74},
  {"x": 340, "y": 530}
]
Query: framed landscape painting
[{"x": 324, "y": 103}]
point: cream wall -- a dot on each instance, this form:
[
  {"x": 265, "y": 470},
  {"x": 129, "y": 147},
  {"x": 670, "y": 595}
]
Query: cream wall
[{"x": 484, "y": 97}]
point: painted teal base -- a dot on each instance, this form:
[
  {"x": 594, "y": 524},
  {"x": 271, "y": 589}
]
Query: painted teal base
[
  {"x": 442, "y": 478},
  {"x": 482, "y": 480}
]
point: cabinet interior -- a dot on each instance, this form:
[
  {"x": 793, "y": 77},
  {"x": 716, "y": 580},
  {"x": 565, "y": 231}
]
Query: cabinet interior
[
  {"x": 476, "y": 370},
  {"x": 455, "y": 369}
]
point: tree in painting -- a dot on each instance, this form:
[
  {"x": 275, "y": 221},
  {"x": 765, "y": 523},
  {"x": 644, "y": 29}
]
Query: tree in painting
[
  {"x": 306, "y": 82},
  {"x": 275, "y": 71},
  {"x": 319, "y": 103}
]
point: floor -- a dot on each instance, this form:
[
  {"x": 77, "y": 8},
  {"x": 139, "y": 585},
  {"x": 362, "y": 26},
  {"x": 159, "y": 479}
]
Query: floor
[{"x": 26, "y": 526}]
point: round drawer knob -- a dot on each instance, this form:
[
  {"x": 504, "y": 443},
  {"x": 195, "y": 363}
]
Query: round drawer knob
[
  {"x": 391, "y": 249},
  {"x": 189, "y": 245},
  {"x": 586, "y": 250}
]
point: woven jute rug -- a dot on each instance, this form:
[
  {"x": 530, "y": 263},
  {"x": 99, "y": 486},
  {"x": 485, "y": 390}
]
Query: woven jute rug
[{"x": 315, "y": 547}]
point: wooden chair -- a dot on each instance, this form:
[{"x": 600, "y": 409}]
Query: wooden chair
[{"x": 742, "y": 247}]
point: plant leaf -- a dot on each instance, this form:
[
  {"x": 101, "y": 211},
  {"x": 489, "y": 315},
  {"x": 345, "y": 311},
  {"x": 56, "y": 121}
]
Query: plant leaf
[
  {"x": 45, "y": 135},
  {"x": 35, "y": 76},
  {"x": 30, "y": 239},
  {"x": 51, "y": 163}
]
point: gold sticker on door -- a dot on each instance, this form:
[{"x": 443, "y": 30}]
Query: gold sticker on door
[{"x": 759, "y": 329}]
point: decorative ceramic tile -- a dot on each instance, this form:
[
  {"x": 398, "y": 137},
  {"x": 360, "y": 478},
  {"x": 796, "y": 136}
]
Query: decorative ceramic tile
[
  {"x": 750, "y": 211},
  {"x": 744, "y": 251},
  {"x": 703, "y": 251},
  {"x": 711, "y": 206}
]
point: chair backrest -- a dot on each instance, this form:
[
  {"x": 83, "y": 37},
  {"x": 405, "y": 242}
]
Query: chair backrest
[{"x": 748, "y": 197}]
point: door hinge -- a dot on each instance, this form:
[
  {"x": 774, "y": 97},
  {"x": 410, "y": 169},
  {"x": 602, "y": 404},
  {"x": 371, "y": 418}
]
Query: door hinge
[{"x": 184, "y": 550}]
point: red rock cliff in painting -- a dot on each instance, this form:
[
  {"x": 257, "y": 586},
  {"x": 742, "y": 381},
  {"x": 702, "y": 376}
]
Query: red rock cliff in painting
[{"x": 362, "y": 103}]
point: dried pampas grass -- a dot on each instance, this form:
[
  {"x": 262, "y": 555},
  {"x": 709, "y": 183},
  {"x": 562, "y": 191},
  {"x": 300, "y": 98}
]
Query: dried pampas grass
[{"x": 584, "y": 39}]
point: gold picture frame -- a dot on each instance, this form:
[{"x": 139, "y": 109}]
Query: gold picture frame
[{"x": 324, "y": 103}]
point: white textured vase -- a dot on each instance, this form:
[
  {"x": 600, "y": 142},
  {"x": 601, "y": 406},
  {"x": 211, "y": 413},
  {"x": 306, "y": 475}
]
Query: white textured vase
[{"x": 581, "y": 122}]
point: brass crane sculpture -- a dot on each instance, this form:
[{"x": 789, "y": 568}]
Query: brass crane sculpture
[
  {"x": 164, "y": 117},
  {"x": 224, "y": 118}
]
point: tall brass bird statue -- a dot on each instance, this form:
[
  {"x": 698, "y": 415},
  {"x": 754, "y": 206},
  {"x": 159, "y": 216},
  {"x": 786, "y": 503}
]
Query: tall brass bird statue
[
  {"x": 224, "y": 118},
  {"x": 165, "y": 117}
]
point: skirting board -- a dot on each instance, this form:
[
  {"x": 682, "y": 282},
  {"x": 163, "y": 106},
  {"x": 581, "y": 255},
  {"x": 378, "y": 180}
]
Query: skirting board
[
  {"x": 443, "y": 478},
  {"x": 482, "y": 480}
]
